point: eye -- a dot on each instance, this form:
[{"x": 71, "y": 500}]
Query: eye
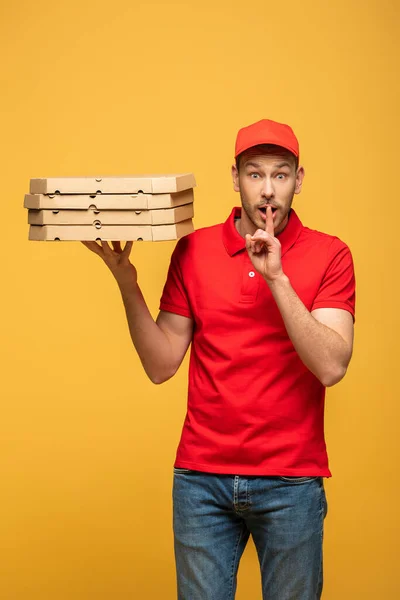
[
  {"x": 281, "y": 175},
  {"x": 254, "y": 175}
]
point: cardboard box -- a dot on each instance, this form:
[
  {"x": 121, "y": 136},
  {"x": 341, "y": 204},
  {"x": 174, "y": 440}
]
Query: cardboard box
[
  {"x": 110, "y": 232},
  {"x": 108, "y": 201},
  {"x": 129, "y": 184},
  {"x": 111, "y": 217},
  {"x": 172, "y": 232}
]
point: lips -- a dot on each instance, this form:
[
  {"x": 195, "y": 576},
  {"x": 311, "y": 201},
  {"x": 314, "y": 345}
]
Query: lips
[
  {"x": 264, "y": 208},
  {"x": 263, "y": 211}
]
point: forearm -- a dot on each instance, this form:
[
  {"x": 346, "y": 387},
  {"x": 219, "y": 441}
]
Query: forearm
[
  {"x": 324, "y": 352},
  {"x": 151, "y": 343}
]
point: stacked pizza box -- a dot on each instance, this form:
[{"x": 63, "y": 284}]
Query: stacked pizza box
[{"x": 141, "y": 207}]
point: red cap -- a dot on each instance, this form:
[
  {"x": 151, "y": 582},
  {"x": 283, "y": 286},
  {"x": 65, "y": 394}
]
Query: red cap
[{"x": 266, "y": 132}]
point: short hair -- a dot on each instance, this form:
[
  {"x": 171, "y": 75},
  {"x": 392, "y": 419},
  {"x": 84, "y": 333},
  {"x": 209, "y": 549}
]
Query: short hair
[{"x": 268, "y": 149}]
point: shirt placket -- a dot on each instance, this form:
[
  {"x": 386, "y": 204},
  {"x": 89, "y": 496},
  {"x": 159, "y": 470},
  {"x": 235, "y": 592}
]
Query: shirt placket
[{"x": 250, "y": 281}]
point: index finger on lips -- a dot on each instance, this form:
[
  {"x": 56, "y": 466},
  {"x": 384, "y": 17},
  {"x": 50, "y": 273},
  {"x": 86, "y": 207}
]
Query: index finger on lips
[{"x": 269, "y": 222}]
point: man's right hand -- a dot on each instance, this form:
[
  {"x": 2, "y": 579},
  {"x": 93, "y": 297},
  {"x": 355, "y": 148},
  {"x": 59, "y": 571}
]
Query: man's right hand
[
  {"x": 162, "y": 344},
  {"x": 117, "y": 260}
]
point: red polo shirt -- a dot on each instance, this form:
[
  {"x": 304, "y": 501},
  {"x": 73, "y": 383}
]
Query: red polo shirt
[{"x": 253, "y": 407}]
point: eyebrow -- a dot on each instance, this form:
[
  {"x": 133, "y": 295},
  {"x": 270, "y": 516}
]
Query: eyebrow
[
  {"x": 257, "y": 165},
  {"x": 283, "y": 164},
  {"x": 252, "y": 164}
]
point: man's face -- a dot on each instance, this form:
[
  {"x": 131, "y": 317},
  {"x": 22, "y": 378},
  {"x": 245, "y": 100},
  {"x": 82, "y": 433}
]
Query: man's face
[{"x": 266, "y": 179}]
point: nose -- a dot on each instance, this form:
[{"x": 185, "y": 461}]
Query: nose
[{"x": 268, "y": 190}]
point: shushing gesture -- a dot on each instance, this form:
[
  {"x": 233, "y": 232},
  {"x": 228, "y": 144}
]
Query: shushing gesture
[{"x": 264, "y": 249}]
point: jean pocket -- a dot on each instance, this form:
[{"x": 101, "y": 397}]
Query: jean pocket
[
  {"x": 296, "y": 479},
  {"x": 179, "y": 471}
]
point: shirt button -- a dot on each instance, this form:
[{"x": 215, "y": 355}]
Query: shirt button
[{"x": 252, "y": 274}]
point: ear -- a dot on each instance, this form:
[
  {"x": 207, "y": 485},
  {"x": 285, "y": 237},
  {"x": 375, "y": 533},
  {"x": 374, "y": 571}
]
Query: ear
[
  {"x": 299, "y": 180},
  {"x": 235, "y": 178}
]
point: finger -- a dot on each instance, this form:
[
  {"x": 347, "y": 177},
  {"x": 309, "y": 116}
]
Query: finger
[
  {"x": 248, "y": 241},
  {"x": 262, "y": 236},
  {"x": 117, "y": 247},
  {"x": 127, "y": 250},
  {"x": 107, "y": 249},
  {"x": 251, "y": 245},
  {"x": 94, "y": 247},
  {"x": 259, "y": 247},
  {"x": 269, "y": 222}
]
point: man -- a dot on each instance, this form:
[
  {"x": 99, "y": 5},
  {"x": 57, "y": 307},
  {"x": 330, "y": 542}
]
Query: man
[{"x": 268, "y": 306}]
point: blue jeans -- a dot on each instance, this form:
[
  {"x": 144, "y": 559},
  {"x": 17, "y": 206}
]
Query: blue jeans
[{"x": 214, "y": 516}]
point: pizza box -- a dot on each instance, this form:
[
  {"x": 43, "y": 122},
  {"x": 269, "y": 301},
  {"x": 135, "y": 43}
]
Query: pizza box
[
  {"x": 129, "y": 184},
  {"x": 108, "y": 201},
  {"x": 149, "y": 233},
  {"x": 111, "y": 217}
]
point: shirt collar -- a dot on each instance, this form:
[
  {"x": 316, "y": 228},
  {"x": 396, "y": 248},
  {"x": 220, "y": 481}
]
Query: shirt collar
[{"x": 234, "y": 242}]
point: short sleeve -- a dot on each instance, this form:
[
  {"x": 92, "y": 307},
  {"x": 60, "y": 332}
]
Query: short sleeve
[
  {"x": 174, "y": 297},
  {"x": 337, "y": 289}
]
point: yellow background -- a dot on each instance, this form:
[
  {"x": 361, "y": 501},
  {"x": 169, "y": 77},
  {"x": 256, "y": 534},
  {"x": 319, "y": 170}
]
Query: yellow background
[{"x": 87, "y": 443}]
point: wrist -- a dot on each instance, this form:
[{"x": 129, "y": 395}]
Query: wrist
[
  {"x": 128, "y": 285},
  {"x": 277, "y": 281}
]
